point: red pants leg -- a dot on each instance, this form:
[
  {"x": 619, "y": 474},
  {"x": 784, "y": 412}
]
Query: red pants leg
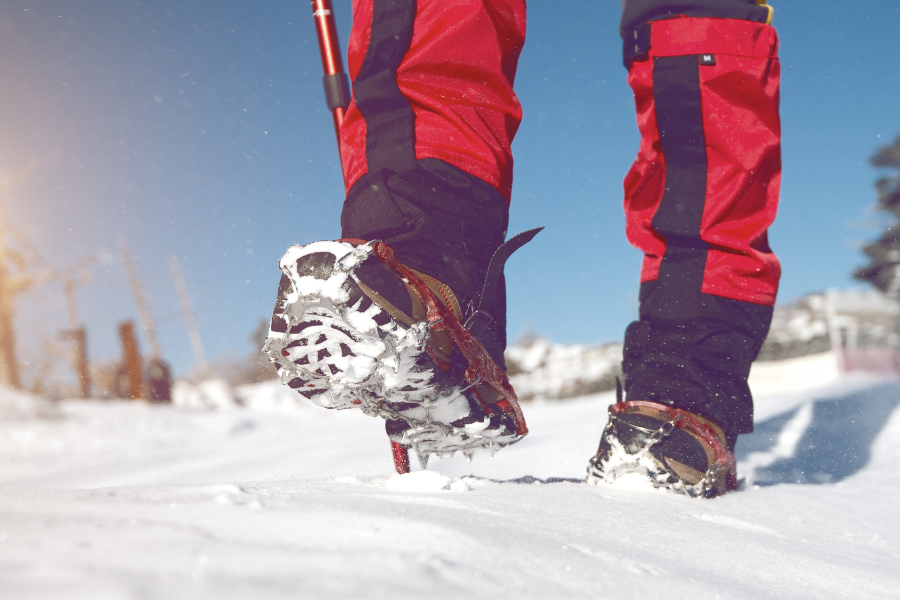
[
  {"x": 699, "y": 200},
  {"x": 426, "y": 139},
  {"x": 434, "y": 79}
]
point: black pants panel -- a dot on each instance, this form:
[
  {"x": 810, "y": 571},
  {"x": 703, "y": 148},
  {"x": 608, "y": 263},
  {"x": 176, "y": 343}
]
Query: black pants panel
[{"x": 439, "y": 220}]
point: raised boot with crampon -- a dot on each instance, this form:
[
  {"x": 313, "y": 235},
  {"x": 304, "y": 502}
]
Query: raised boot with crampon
[{"x": 355, "y": 328}]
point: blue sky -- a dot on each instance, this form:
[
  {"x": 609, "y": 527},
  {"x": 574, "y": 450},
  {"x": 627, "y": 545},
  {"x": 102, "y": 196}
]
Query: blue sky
[{"x": 199, "y": 129}]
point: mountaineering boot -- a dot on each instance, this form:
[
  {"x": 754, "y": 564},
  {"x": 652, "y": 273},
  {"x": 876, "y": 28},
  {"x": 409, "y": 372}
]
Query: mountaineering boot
[
  {"x": 673, "y": 448},
  {"x": 353, "y": 327}
]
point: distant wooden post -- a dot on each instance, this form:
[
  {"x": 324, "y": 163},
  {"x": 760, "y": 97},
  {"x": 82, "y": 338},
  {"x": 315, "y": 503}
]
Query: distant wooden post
[
  {"x": 9, "y": 366},
  {"x": 140, "y": 300},
  {"x": 132, "y": 365},
  {"x": 78, "y": 336},
  {"x": 158, "y": 385},
  {"x": 82, "y": 366}
]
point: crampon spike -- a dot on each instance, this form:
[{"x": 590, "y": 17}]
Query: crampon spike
[
  {"x": 401, "y": 458},
  {"x": 423, "y": 460}
]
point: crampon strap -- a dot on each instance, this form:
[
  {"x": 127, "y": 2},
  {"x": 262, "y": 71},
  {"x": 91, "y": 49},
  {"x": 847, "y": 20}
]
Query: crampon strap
[
  {"x": 690, "y": 423},
  {"x": 482, "y": 369},
  {"x": 498, "y": 261}
]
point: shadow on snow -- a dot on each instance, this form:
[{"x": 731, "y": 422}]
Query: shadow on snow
[
  {"x": 528, "y": 479},
  {"x": 836, "y": 443}
]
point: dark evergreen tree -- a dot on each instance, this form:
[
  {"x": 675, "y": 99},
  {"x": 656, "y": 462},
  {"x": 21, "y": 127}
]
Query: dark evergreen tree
[{"x": 883, "y": 270}]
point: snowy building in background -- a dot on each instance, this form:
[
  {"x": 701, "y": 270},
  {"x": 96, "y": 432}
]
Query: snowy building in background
[
  {"x": 851, "y": 319},
  {"x": 816, "y": 338},
  {"x": 859, "y": 328}
]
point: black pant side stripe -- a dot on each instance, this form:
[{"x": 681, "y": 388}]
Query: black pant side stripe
[
  {"x": 390, "y": 133},
  {"x": 676, "y": 93}
]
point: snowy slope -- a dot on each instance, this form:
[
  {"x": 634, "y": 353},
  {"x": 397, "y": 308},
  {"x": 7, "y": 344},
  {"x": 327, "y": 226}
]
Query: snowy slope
[
  {"x": 544, "y": 369},
  {"x": 118, "y": 500}
]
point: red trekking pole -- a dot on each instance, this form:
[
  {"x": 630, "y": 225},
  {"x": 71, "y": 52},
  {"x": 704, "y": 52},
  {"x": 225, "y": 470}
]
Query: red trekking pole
[
  {"x": 337, "y": 97},
  {"x": 337, "y": 86}
]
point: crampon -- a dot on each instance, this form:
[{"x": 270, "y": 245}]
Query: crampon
[
  {"x": 672, "y": 448},
  {"x": 355, "y": 328}
]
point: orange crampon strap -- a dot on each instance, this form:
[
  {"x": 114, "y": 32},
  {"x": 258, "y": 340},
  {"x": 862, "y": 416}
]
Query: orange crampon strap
[
  {"x": 482, "y": 368},
  {"x": 688, "y": 422}
]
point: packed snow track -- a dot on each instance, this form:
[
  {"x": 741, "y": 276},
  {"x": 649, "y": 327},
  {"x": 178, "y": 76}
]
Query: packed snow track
[{"x": 286, "y": 500}]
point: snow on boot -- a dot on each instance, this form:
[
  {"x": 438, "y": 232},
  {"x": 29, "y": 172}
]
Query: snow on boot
[
  {"x": 355, "y": 328},
  {"x": 673, "y": 448}
]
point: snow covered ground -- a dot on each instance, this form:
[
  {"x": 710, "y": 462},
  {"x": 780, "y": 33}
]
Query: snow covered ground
[{"x": 283, "y": 500}]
